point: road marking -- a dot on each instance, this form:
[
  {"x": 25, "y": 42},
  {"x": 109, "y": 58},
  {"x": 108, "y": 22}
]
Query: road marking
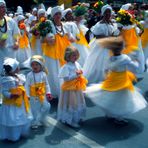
[{"x": 73, "y": 133}]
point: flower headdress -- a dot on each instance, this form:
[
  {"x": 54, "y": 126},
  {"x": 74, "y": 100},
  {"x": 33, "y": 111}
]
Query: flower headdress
[
  {"x": 125, "y": 18},
  {"x": 98, "y": 5},
  {"x": 80, "y": 9}
]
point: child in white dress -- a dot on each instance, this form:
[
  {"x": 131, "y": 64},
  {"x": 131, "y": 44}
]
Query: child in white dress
[
  {"x": 116, "y": 95},
  {"x": 71, "y": 106},
  {"x": 38, "y": 90},
  {"x": 14, "y": 121}
]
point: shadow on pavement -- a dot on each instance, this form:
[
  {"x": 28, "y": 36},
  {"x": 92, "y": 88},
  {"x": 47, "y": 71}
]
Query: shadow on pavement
[
  {"x": 56, "y": 137},
  {"x": 104, "y": 132}
]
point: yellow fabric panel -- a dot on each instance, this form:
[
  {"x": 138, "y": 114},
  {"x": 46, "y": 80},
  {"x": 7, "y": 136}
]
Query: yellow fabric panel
[
  {"x": 76, "y": 84},
  {"x": 33, "y": 42},
  {"x": 20, "y": 90},
  {"x": 57, "y": 50},
  {"x": 144, "y": 38},
  {"x": 82, "y": 40},
  {"x": 23, "y": 41},
  {"x": 38, "y": 90},
  {"x": 119, "y": 80},
  {"x": 131, "y": 40}
]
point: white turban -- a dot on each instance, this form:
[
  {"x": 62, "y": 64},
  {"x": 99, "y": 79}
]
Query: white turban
[
  {"x": 32, "y": 18},
  {"x": 2, "y": 2},
  {"x": 19, "y": 10},
  {"x": 104, "y": 8},
  {"x": 20, "y": 17},
  {"x": 55, "y": 10},
  {"x": 126, "y": 6},
  {"x": 34, "y": 9},
  {"x": 41, "y": 11},
  {"x": 13, "y": 63},
  {"x": 66, "y": 11}
]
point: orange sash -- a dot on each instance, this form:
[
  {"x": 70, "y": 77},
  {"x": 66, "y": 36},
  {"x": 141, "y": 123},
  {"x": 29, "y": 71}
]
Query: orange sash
[
  {"x": 119, "y": 80},
  {"x": 38, "y": 90},
  {"x": 76, "y": 84},
  {"x": 20, "y": 90}
]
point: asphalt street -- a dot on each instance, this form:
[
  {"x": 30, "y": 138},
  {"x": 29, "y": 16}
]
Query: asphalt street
[{"x": 95, "y": 131}]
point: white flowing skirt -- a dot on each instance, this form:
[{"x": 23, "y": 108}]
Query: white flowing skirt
[{"x": 118, "y": 103}]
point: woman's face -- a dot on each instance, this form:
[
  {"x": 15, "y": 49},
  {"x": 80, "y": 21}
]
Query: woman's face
[
  {"x": 57, "y": 16},
  {"x": 107, "y": 14},
  {"x": 2, "y": 10}
]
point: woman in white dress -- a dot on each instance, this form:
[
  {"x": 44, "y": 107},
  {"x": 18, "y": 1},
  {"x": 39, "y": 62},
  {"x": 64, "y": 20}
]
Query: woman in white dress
[{"x": 95, "y": 63}]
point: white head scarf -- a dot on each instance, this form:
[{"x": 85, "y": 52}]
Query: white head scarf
[
  {"x": 66, "y": 11},
  {"x": 41, "y": 11},
  {"x": 56, "y": 9},
  {"x": 104, "y": 8},
  {"x": 32, "y": 18},
  {"x": 2, "y": 2},
  {"x": 19, "y": 10},
  {"x": 20, "y": 17},
  {"x": 11, "y": 62},
  {"x": 126, "y": 6}
]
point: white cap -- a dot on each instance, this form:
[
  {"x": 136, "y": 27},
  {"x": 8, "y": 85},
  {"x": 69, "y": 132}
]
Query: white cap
[
  {"x": 55, "y": 10},
  {"x": 66, "y": 11},
  {"x": 104, "y": 8},
  {"x": 20, "y": 17},
  {"x": 126, "y": 6},
  {"x": 34, "y": 9},
  {"x": 41, "y": 11},
  {"x": 11, "y": 62},
  {"x": 2, "y": 2}
]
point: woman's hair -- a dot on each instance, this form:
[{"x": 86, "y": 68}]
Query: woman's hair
[
  {"x": 69, "y": 52},
  {"x": 112, "y": 43}
]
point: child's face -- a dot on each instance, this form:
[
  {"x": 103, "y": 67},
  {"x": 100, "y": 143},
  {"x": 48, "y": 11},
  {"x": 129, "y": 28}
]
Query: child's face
[
  {"x": 73, "y": 57},
  {"x": 36, "y": 67}
]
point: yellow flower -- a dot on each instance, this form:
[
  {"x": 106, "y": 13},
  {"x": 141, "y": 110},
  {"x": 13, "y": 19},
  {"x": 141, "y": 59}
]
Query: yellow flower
[{"x": 118, "y": 19}]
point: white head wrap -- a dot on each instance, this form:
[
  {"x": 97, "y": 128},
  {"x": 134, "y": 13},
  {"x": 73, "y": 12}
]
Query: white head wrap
[
  {"x": 66, "y": 11},
  {"x": 19, "y": 10},
  {"x": 49, "y": 11},
  {"x": 10, "y": 14},
  {"x": 20, "y": 17},
  {"x": 32, "y": 18},
  {"x": 11, "y": 62},
  {"x": 126, "y": 6},
  {"x": 104, "y": 8},
  {"x": 41, "y": 11},
  {"x": 56, "y": 9},
  {"x": 34, "y": 9},
  {"x": 2, "y": 2}
]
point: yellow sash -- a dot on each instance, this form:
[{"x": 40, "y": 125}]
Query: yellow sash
[
  {"x": 76, "y": 84},
  {"x": 20, "y": 90},
  {"x": 38, "y": 90},
  {"x": 119, "y": 80},
  {"x": 23, "y": 41},
  {"x": 57, "y": 50},
  {"x": 82, "y": 40},
  {"x": 131, "y": 40},
  {"x": 144, "y": 38},
  {"x": 33, "y": 42}
]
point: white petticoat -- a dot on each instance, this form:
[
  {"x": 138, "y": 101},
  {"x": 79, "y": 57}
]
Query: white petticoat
[
  {"x": 71, "y": 107},
  {"x": 118, "y": 103}
]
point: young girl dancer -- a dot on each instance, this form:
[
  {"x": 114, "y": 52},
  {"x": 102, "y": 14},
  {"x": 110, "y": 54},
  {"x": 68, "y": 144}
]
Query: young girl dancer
[
  {"x": 38, "y": 90},
  {"x": 116, "y": 95},
  {"x": 71, "y": 106},
  {"x": 14, "y": 121}
]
